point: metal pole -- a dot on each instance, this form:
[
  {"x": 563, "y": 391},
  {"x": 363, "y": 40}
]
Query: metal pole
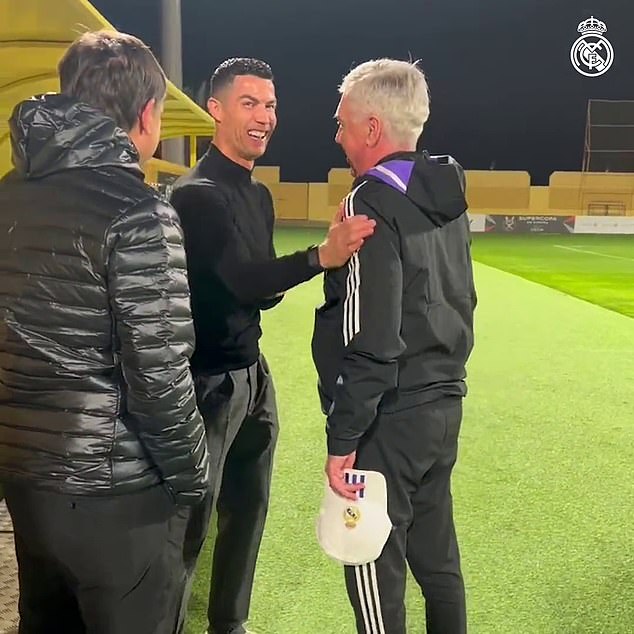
[
  {"x": 172, "y": 58},
  {"x": 193, "y": 139}
]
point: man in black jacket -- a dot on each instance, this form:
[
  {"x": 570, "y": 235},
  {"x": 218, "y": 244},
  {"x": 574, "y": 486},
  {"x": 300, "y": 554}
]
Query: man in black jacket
[
  {"x": 227, "y": 218},
  {"x": 391, "y": 343},
  {"x": 100, "y": 436}
]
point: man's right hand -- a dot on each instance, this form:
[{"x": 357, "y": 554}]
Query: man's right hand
[{"x": 345, "y": 236}]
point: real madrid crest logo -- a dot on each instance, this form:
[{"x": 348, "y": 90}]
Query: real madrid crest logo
[
  {"x": 351, "y": 516},
  {"x": 592, "y": 54}
]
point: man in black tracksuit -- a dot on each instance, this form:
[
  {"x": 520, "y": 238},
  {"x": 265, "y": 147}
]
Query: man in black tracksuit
[
  {"x": 227, "y": 218},
  {"x": 390, "y": 346}
]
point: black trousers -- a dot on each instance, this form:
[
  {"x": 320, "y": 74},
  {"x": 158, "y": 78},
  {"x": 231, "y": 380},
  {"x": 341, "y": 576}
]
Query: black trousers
[
  {"x": 415, "y": 450},
  {"x": 240, "y": 414},
  {"x": 92, "y": 565}
]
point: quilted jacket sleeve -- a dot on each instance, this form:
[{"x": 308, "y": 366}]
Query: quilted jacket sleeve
[{"x": 149, "y": 295}]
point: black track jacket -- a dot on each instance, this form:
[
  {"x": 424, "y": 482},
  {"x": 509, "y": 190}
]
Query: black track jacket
[{"x": 396, "y": 327}]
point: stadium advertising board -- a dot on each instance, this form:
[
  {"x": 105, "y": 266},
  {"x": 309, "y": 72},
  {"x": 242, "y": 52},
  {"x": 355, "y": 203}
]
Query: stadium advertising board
[
  {"x": 604, "y": 224},
  {"x": 493, "y": 223}
]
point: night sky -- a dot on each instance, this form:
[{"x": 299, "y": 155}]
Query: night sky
[{"x": 503, "y": 90}]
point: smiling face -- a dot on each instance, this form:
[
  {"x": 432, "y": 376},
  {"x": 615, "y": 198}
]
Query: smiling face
[{"x": 245, "y": 116}]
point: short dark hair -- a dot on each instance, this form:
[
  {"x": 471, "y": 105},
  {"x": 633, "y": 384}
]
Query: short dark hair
[
  {"x": 114, "y": 72},
  {"x": 224, "y": 75}
]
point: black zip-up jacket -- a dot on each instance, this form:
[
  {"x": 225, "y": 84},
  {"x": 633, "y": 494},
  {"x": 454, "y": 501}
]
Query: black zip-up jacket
[
  {"x": 96, "y": 395},
  {"x": 227, "y": 218},
  {"x": 396, "y": 328}
]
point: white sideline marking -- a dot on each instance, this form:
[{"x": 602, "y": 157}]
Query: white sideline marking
[{"x": 604, "y": 255}]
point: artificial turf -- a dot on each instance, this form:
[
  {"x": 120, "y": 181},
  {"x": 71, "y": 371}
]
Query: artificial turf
[
  {"x": 599, "y": 269},
  {"x": 543, "y": 487}
]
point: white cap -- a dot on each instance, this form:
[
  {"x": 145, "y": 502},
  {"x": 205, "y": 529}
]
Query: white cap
[{"x": 354, "y": 532}]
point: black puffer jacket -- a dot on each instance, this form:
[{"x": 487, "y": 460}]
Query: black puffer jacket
[{"x": 96, "y": 396}]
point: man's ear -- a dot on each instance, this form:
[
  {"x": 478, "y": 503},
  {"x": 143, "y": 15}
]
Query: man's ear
[
  {"x": 214, "y": 108},
  {"x": 147, "y": 118},
  {"x": 375, "y": 129}
]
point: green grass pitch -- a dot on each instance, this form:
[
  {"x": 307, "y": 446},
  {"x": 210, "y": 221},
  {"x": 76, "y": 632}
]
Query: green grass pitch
[{"x": 544, "y": 486}]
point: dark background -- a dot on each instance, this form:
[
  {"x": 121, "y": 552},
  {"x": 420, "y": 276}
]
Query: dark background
[{"x": 503, "y": 91}]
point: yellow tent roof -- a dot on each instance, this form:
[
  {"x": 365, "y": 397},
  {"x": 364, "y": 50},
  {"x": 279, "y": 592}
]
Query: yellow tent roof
[{"x": 34, "y": 35}]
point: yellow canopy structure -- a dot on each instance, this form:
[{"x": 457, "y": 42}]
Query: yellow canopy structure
[{"x": 34, "y": 35}]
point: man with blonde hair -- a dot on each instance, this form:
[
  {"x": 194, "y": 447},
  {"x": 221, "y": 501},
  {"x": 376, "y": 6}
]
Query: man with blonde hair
[{"x": 391, "y": 343}]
